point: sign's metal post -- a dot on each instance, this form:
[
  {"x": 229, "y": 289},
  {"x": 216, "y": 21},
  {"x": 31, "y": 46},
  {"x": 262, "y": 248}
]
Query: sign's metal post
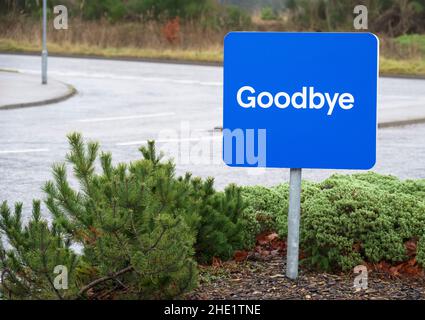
[
  {"x": 44, "y": 52},
  {"x": 293, "y": 223}
]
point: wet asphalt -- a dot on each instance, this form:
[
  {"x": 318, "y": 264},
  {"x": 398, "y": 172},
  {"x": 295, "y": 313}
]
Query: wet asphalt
[{"x": 122, "y": 104}]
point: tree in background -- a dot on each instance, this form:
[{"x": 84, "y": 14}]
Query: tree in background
[
  {"x": 186, "y": 9},
  {"x": 392, "y": 17},
  {"x": 253, "y": 5}
]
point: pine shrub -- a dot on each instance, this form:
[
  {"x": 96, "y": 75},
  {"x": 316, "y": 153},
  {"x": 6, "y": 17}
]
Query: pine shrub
[
  {"x": 222, "y": 228},
  {"x": 27, "y": 269},
  {"x": 139, "y": 227}
]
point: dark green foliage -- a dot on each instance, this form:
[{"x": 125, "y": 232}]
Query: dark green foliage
[
  {"x": 112, "y": 9},
  {"x": 222, "y": 227},
  {"x": 170, "y": 8},
  {"x": 234, "y": 18},
  {"x": 267, "y": 13},
  {"x": 36, "y": 249},
  {"x": 268, "y": 207},
  {"x": 126, "y": 216},
  {"x": 253, "y": 5},
  {"x": 130, "y": 220},
  {"x": 391, "y": 17},
  {"x": 352, "y": 220},
  {"x": 209, "y": 12},
  {"x": 263, "y": 206},
  {"x": 138, "y": 226},
  {"x": 346, "y": 220}
]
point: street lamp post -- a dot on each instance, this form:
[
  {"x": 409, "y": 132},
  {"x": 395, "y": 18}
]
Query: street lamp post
[{"x": 44, "y": 52}]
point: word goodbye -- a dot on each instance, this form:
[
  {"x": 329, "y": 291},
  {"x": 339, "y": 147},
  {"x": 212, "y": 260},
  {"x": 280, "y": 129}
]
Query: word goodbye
[{"x": 307, "y": 98}]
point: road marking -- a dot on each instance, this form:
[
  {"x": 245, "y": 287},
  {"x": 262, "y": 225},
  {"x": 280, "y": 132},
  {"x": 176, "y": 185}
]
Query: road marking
[
  {"x": 23, "y": 151},
  {"x": 128, "y": 78},
  {"x": 142, "y": 116},
  {"x": 130, "y": 143},
  {"x": 202, "y": 83}
]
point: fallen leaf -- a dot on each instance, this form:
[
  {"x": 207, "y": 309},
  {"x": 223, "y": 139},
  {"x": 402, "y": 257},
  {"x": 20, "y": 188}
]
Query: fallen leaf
[
  {"x": 240, "y": 255},
  {"x": 262, "y": 239},
  {"x": 279, "y": 245},
  {"x": 216, "y": 262},
  {"x": 274, "y": 253},
  {"x": 265, "y": 253},
  {"x": 272, "y": 236}
]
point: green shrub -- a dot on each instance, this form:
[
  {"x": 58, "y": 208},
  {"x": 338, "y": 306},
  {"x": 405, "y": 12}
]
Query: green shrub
[
  {"x": 267, "y": 13},
  {"x": 114, "y": 10},
  {"x": 223, "y": 226},
  {"x": 264, "y": 205},
  {"x": 348, "y": 219},
  {"x": 235, "y": 18},
  {"x": 138, "y": 226},
  {"x": 352, "y": 221},
  {"x": 416, "y": 41},
  {"x": 27, "y": 270},
  {"x": 156, "y": 9},
  {"x": 130, "y": 220},
  {"x": 361, "y": 218}
]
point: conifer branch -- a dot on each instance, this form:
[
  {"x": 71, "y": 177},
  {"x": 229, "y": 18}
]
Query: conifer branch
[{"x": 103, "y": 279}]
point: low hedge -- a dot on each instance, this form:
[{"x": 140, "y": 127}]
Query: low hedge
[{"x": 347, "y": 219}]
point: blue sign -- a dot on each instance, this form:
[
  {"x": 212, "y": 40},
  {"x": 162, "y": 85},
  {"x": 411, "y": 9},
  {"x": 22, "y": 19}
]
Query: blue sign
[{"x": 300, "y": 100}]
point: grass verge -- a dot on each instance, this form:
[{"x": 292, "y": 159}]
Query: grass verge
[
  {"x": 402, "y": 67},
  {"x": 388, "y": 66},
  {"x": 203, "y": 55}
]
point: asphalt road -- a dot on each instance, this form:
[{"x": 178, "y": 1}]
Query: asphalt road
[{"x": 121, "y": 104}]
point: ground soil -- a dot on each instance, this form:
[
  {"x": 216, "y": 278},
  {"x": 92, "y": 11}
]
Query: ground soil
[{"x": 265, "y": 279}]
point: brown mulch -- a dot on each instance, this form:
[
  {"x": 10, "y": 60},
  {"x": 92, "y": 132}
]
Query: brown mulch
[
  {"x": 260, "y": 274},
  {"x": 266, "y": 280}
]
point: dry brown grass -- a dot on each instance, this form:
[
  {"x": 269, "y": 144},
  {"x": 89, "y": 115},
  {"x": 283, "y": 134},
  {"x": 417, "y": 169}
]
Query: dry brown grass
[
  {"x": 149, "y": 40},
  {"x": 104, "y": 34},
  {"x": 213, "y": 55}
]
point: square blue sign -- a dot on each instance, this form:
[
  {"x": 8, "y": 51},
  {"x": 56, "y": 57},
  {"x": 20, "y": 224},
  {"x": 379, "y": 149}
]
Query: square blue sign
[{"x": 300, "y": 100}]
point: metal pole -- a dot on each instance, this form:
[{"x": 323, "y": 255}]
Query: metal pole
[
  {"x": 293, "y": 223},
  {"x": 44, "y": 52}
]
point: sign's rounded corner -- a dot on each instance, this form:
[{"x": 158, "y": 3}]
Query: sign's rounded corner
[
  {"x": 230, "y": 165},
  {"x": 228, "y": 35},
  {"x": 373, "y": 36},
  {"x": 371, "y": 164}
]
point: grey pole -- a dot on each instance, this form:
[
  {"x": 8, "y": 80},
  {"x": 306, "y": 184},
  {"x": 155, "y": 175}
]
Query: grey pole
[
  {"x": 293, "y": 223},
  {"x": 44, "y": 52}
]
